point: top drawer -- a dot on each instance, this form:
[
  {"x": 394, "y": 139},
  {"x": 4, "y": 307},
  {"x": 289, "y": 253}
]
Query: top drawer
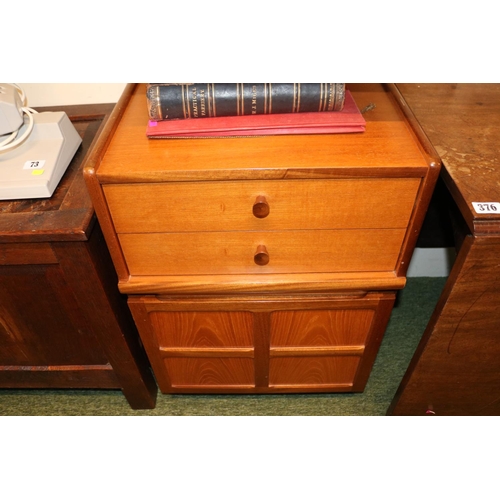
[{"x": 262, "y": 205}]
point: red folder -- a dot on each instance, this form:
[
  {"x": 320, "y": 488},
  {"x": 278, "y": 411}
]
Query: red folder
[{"x": 336, "y": 122}]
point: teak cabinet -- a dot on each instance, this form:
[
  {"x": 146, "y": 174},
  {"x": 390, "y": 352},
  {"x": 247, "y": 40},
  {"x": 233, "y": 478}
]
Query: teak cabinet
[{"x": 263, "y": 264}]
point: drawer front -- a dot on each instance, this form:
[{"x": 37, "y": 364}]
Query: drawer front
[
  {"x": 259, "y": 252},
  {"x": 262, "y": 205}
]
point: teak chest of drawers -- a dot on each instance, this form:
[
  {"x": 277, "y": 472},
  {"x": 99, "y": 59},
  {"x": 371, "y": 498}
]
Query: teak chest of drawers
[{"x": 263, "y": 264}]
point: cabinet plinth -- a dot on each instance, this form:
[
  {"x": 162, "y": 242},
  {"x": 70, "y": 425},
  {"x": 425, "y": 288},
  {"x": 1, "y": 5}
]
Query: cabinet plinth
[{"x": 263, "y": 264}]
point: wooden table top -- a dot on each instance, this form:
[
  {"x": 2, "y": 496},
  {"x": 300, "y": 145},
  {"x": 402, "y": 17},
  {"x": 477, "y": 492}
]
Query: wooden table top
[{"x": 462, "y": 122}]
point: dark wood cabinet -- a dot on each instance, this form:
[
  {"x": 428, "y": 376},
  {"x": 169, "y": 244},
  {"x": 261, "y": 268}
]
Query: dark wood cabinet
[
  {"x": 63, "y": 323},
  {"x": 456, "y": 367}
]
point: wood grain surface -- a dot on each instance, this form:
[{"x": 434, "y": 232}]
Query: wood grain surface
[
  {"x": 463, "y": 123},
  {"x": 456, "y": 368}
]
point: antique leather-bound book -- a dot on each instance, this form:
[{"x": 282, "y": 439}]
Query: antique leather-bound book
[
  {"x": 348, "y": 120},
  {"x": 170, "y": 101}
]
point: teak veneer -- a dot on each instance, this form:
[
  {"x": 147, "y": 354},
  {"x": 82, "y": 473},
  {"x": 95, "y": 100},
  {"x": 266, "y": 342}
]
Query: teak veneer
[{"x": 263, "y": 264}]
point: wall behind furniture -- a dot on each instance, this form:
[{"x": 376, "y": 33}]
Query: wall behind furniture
[
  {"x": 54, "y": 94},
  {"x": 425, "y": 261}
]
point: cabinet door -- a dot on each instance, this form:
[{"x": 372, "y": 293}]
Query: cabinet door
[{"x": 262, "y": 344}]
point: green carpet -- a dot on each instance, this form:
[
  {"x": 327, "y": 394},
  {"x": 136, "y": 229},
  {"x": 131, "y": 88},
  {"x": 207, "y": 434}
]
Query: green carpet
[{"x": 408, "y": 321}]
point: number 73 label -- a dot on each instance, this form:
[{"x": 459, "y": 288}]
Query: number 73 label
[
  {"x": 486, "y": 207},
  {"x": 34, "y": 165}
]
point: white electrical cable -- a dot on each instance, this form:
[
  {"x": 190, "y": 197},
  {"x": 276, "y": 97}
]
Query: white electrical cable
[{"x": 13, "y": 140}]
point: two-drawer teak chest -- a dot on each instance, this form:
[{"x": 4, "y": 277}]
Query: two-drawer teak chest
[{"x": 263, "y": 264}]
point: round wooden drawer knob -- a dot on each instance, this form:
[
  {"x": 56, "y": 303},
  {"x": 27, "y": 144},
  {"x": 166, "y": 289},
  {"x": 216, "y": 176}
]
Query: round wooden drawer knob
[
  {"x": 260, "y": 207},
  {"x": 261, "y": 257}
]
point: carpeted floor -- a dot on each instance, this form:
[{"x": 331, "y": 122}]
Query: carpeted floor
[{"x": 408, "y": 321}]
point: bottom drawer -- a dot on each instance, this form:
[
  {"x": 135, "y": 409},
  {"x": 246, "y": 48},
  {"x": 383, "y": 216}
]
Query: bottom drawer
[{"x": 262, "y": 344}]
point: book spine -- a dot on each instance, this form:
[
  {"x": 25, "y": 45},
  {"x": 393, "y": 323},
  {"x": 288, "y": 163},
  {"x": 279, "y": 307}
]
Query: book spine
[{"x": 168, "y": 101}]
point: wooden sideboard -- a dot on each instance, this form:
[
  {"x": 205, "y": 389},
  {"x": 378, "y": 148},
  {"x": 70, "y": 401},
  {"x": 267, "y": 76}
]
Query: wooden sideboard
[
  {"x": 263, "y": 264},
  {"x": 63, "y": 323},
  {"x": 456, "y": 367}
]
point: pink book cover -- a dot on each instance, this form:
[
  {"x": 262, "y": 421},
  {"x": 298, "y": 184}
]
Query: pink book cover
[{"x": 348, "y": 120}]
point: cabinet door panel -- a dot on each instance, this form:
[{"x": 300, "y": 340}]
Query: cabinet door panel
[
  {"x": 202, "y": 329},
  {"x": 313, "y": 372},
  {"x": 321, "y": 328},
  {"x": 210, "y": 372}
]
